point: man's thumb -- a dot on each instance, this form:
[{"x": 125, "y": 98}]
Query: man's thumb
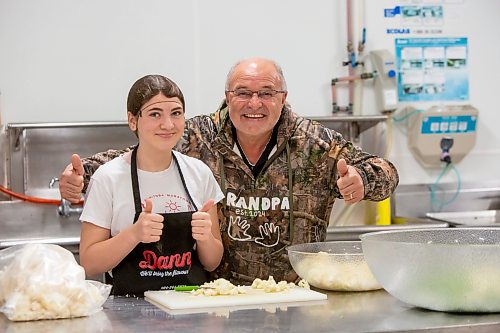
[
  {"x": 149, "y": 206},
  {"x": 342, "y": 167},
  {"x": 207, "y": 205},
  {"x": 77, "y": 164}
]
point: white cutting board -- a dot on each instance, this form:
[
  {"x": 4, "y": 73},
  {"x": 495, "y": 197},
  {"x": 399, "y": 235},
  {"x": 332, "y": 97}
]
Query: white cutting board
[{"x": 177, "y": 300}]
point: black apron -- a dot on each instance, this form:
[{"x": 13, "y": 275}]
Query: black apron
[{"x": 170, "y": 262}]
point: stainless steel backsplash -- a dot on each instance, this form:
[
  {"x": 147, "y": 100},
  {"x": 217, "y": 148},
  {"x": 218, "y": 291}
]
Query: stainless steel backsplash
[{"x": 36, "y": 153}]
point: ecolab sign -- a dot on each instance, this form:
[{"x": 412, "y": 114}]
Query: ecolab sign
[{"x": 398, "y": 31}]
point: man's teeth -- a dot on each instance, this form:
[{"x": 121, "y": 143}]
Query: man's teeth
[{"x": 254, "y": 115}]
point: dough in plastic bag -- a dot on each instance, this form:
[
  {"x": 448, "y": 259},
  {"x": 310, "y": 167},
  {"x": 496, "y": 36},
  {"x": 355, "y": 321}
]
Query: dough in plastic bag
[{"x": 44, "y": 281}]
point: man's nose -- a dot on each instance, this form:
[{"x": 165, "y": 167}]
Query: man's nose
[{"x": 255, "y": 101}]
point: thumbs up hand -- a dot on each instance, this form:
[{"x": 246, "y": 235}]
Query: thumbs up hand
[
  {"x": 71, "y": 180},
  {"x": 201, "y": 223},
  {"x": 350, "y": 183},
  {"x": 148, "y": 228}
]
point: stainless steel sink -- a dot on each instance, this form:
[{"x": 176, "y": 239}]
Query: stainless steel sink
[
  {"x": 354, "y": 231},
  {"x": 481, "y": 218},
  {"x": 22, "y": 222}
]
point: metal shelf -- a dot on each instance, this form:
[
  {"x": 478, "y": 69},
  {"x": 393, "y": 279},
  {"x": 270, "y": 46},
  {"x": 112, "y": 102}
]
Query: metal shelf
[{"x": 350, "y": 126}]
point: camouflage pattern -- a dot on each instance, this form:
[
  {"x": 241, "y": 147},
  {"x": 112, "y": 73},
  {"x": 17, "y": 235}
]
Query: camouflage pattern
[{"x": 256, "y": 215}]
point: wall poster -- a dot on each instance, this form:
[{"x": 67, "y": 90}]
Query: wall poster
[{"x": 432, "y": 69}]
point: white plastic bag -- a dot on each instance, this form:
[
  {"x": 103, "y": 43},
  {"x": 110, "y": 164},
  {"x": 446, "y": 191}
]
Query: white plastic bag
[{"x": 44, "y": 281}]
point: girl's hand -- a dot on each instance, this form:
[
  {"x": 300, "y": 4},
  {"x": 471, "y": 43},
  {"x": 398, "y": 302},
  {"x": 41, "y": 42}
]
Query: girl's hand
[
  {"x": 201, "y": 224},
  {"x": 149, "y": 226}
]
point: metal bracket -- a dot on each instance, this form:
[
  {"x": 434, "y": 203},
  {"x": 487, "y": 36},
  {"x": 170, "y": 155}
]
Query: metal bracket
[{"x": 16, "y": 141}]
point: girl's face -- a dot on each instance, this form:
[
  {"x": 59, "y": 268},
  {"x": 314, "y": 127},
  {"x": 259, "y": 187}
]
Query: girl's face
[{"x": 160, "y": 122}]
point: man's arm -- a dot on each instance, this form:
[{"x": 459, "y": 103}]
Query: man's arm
[
  {"x": 75, "y": 177},
  {"x": 92, "y": 163}
]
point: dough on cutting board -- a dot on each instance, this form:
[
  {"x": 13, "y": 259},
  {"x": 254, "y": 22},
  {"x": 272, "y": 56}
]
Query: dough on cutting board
[{"x": 224, "y": 287}]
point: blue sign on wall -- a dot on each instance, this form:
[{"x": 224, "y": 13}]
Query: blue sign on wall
[
  {"x": 432, "y": 69},
  {"x": 448, "y": 124},
  {"x": 391, "y": 12}
]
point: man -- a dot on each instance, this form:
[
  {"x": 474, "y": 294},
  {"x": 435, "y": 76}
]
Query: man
[{"x": 280, "y": 173}]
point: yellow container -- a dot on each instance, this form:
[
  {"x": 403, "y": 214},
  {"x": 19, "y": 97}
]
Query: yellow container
[{"x": 383, "y": 212}]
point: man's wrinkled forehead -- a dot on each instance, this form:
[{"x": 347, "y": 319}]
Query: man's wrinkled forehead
[{"x": 250, "y": 72}]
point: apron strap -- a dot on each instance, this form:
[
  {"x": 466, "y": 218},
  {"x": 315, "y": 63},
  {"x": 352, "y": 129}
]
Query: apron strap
[
  {"x": 135, "y": 181},
  {"x": 223, "y": 181},
  {"x": 184, "y": 182},
  {"x": 290, "y": 192}
]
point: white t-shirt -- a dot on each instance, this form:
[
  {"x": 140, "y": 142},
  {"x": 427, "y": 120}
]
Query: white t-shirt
[{"x": 110, "y": 202}]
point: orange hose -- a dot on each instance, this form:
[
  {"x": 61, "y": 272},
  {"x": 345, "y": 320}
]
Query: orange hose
[{"x": 28, "y": 198}]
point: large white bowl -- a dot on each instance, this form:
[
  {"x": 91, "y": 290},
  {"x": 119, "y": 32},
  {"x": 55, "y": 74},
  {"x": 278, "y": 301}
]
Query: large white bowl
[
  {"x": 443, "y": 269},
  {"x": 336, "y": 265}
]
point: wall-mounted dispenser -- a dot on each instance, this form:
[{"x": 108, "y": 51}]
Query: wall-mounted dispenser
[
  {"x": 385, "y": 85},
  {"x": 430, "y": 132}
]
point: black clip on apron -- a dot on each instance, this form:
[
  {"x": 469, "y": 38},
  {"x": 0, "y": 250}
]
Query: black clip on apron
[{"x": 170, "y": 262}]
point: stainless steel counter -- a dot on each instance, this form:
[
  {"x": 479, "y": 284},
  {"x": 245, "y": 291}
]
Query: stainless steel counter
[
  {"x": 342, "y": 312},
  {"x": 375, "y": 311}
]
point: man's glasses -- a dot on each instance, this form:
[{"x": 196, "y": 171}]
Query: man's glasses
[{"x": 246, "y": 94}]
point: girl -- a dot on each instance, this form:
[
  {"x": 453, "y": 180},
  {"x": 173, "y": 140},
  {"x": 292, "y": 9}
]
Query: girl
[{"x": 150, "y": 214}]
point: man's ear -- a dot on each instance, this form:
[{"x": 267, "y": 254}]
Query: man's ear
[{"x": 283, "y": 98}]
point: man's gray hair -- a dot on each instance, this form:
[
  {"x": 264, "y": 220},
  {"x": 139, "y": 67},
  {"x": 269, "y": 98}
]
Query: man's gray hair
[{"x": 278, "y": 70}]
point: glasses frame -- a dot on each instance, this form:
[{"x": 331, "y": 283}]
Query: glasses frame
[{"x": 256, "y": 92}]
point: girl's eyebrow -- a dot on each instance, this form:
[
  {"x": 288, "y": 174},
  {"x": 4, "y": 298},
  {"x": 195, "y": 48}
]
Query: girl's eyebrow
[
  {"x": 157, "y": 109},
  {"x": 148, "y": 105},
  {"x": 154, "y": 109}
]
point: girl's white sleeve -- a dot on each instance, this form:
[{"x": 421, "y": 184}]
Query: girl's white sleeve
[{"x": 98, "y": 206}]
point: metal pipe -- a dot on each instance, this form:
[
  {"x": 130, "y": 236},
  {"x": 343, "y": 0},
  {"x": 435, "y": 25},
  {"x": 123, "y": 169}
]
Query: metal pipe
[
  {"x": 348, "y": 79},
  {"x": 350, "y": 48}
]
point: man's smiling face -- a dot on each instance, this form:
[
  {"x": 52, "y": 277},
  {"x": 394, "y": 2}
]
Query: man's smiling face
[{"x": 251, "y": 115}]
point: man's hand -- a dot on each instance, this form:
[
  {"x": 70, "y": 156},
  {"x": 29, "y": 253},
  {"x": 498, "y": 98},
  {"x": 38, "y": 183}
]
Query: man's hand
[
  {"x": 149, "y": 226},
  {"x": 350, "y": 183},
  {"x": 201, "y": 223},
  {"x": 71, "y": 180}
]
